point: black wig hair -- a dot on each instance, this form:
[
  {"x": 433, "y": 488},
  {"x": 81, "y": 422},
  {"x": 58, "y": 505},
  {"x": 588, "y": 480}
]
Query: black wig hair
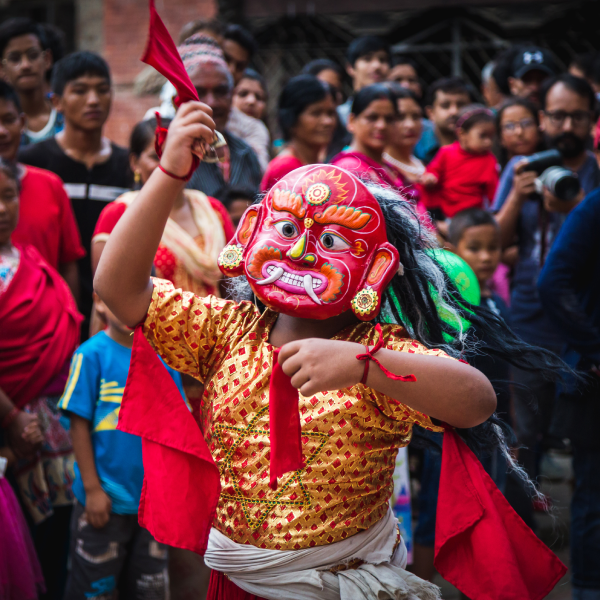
[
  {"x": 471, "y": 217},
  {"x": 365, "y": 45},
  {"x": 77, "y": 65},
  {"x": 576, "y": 84},
  {"x": 413, "y": 293},
  {"x": 9, "y": 94},
  {"x": 16, "y": 27},
  {"x": 143, "y": 134},
  {"x": 298, "y": 93},
  {"x": 377, "y": 91}
]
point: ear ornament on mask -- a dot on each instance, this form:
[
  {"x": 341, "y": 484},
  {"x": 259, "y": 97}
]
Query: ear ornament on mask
[
  {"x": 365, "y": 305},
  {"x": 230, "y": 258}
]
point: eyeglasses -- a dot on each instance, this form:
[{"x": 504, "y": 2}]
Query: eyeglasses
[
  {"x": 14, "y": 58},
  {"x": 523, "y": 124},
  {"x": 579, "y": 118}
]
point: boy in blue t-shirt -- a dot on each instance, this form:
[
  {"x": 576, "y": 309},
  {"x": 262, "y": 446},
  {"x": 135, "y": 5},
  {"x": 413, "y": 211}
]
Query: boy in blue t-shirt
[{"x": 109, "y": 550}]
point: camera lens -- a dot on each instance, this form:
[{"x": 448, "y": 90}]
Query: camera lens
[{"x": 561, "y": 182}]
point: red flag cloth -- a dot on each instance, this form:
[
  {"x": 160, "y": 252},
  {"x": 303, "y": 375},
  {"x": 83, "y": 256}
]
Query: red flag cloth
[
  {"x": 161, "y": 53},
  {"x": 284, "y": 424},
  {"x": 181, "y": 481},
  {"x": 481, "y": 545}
]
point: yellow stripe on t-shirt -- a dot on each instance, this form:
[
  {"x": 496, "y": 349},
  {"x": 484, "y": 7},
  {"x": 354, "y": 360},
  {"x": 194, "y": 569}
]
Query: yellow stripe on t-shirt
[{"x": 72, "y": 381}]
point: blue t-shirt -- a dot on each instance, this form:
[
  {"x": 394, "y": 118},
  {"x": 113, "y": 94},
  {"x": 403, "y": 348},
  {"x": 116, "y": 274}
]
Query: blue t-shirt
[
  {"x": 428, "y": 144},
  {"x": 528, "y": 318},
  {"x": 94, "y": 391}
]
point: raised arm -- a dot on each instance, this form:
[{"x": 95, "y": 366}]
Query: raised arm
[
  {"x": 508, "y": 215},
  {"x": 122, "y": 279},
  {"x": 447, "y": 390}
]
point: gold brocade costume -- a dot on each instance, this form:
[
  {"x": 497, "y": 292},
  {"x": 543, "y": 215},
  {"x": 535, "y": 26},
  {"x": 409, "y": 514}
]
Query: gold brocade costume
[{"x": 349, "y": 437}]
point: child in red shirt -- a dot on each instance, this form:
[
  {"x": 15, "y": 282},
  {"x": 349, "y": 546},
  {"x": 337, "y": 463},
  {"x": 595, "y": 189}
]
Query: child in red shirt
[{"x": 464, "y": 174}]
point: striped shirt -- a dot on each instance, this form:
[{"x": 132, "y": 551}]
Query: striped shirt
[{"x": 89, "y": 190}]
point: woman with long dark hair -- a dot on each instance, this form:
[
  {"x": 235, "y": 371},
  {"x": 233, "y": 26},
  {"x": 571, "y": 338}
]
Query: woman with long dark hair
[
  {"x": 372, "y": 117},
  {"x": 307, "y": 119}
]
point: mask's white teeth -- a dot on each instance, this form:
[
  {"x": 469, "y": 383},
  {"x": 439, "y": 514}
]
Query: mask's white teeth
[
  {"x": 274, "y": 276},
  {"x": 308, "y": 288}
]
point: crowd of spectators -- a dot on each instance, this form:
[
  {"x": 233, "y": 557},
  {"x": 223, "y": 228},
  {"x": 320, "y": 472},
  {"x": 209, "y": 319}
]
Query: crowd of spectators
[{"x": 526, "y": 229}]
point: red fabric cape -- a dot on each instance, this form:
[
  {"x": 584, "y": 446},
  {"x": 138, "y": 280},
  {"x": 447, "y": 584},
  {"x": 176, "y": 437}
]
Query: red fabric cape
[
  {"x": 481, "y": 545},
  {"x": 40, "y": 328}
]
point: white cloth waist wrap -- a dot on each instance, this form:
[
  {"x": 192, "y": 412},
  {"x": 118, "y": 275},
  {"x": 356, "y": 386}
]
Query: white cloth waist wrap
[{"x": 304, "y": 574}]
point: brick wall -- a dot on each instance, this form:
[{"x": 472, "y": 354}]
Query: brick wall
[{"x": 125, "y": 30}]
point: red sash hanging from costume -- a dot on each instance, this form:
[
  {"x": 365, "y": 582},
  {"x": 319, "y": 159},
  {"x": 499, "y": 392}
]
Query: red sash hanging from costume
[
  {"x": 40, "y": 328},
  {"x": 481, "y": 545},
  {"x": 284, "y": 424},
  {"x": 181, "y": 481}
]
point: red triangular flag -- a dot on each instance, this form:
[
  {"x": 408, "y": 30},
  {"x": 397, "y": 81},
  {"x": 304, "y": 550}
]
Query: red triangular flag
[
  {"x": 181, "y": 481},
  {"x": 284, "y": 424},
  {"x": 161, "y": 53},
  {"x": 481, "y": 545}
]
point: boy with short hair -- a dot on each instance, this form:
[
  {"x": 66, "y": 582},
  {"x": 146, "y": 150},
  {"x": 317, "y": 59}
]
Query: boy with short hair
[
  {"x": 444, "y": 100},
  {"x": 367, "y": 62},
  {"x": 26, "y": 60},
  {"x": 476, "y": 236},
  {"x": 95, "y": 170},
  {"x": 109, "y": 550}
]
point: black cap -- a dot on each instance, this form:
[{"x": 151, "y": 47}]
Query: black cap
[{"x": 533, "y": 59}]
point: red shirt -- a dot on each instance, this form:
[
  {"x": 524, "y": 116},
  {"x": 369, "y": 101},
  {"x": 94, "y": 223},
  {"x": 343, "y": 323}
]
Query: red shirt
[
  {"x": 465, "y": 180},
  {"x": 46, "y": 219}
]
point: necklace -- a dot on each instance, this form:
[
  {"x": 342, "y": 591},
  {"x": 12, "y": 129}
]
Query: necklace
[{"x": 417, "y": 167}]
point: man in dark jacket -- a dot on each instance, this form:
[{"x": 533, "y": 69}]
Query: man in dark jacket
[{"x": 569, "y": 288}]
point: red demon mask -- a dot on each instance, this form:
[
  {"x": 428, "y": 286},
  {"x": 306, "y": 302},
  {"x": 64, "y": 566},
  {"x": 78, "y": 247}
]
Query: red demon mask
[{"x": 315, "y": 247}]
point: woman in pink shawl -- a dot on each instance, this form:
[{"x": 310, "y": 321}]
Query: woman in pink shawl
[{"x": 371, "y": 121}]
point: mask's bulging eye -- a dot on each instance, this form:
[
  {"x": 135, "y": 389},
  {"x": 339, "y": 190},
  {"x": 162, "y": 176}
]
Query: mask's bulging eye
[
  {"x": 286, "y": 229},
  {"x": 333, "y": 242}
]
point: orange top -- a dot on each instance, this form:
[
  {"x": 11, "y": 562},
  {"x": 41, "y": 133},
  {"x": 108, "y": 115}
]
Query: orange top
[{"x": 350, "y": 437}]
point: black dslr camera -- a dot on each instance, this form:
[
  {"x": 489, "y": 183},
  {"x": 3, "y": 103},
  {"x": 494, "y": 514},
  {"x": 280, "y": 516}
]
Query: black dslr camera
[{"x": 561, "y": 182}]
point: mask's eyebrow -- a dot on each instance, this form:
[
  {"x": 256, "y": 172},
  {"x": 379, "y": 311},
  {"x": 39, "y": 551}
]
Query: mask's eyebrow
[
  {"x": 289, "y": 202},
  {"x": 349, "y": 217}
]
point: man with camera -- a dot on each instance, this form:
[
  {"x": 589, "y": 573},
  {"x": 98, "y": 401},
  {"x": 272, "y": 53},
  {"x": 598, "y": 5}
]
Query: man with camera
[{"x": 531, "y": 207}]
